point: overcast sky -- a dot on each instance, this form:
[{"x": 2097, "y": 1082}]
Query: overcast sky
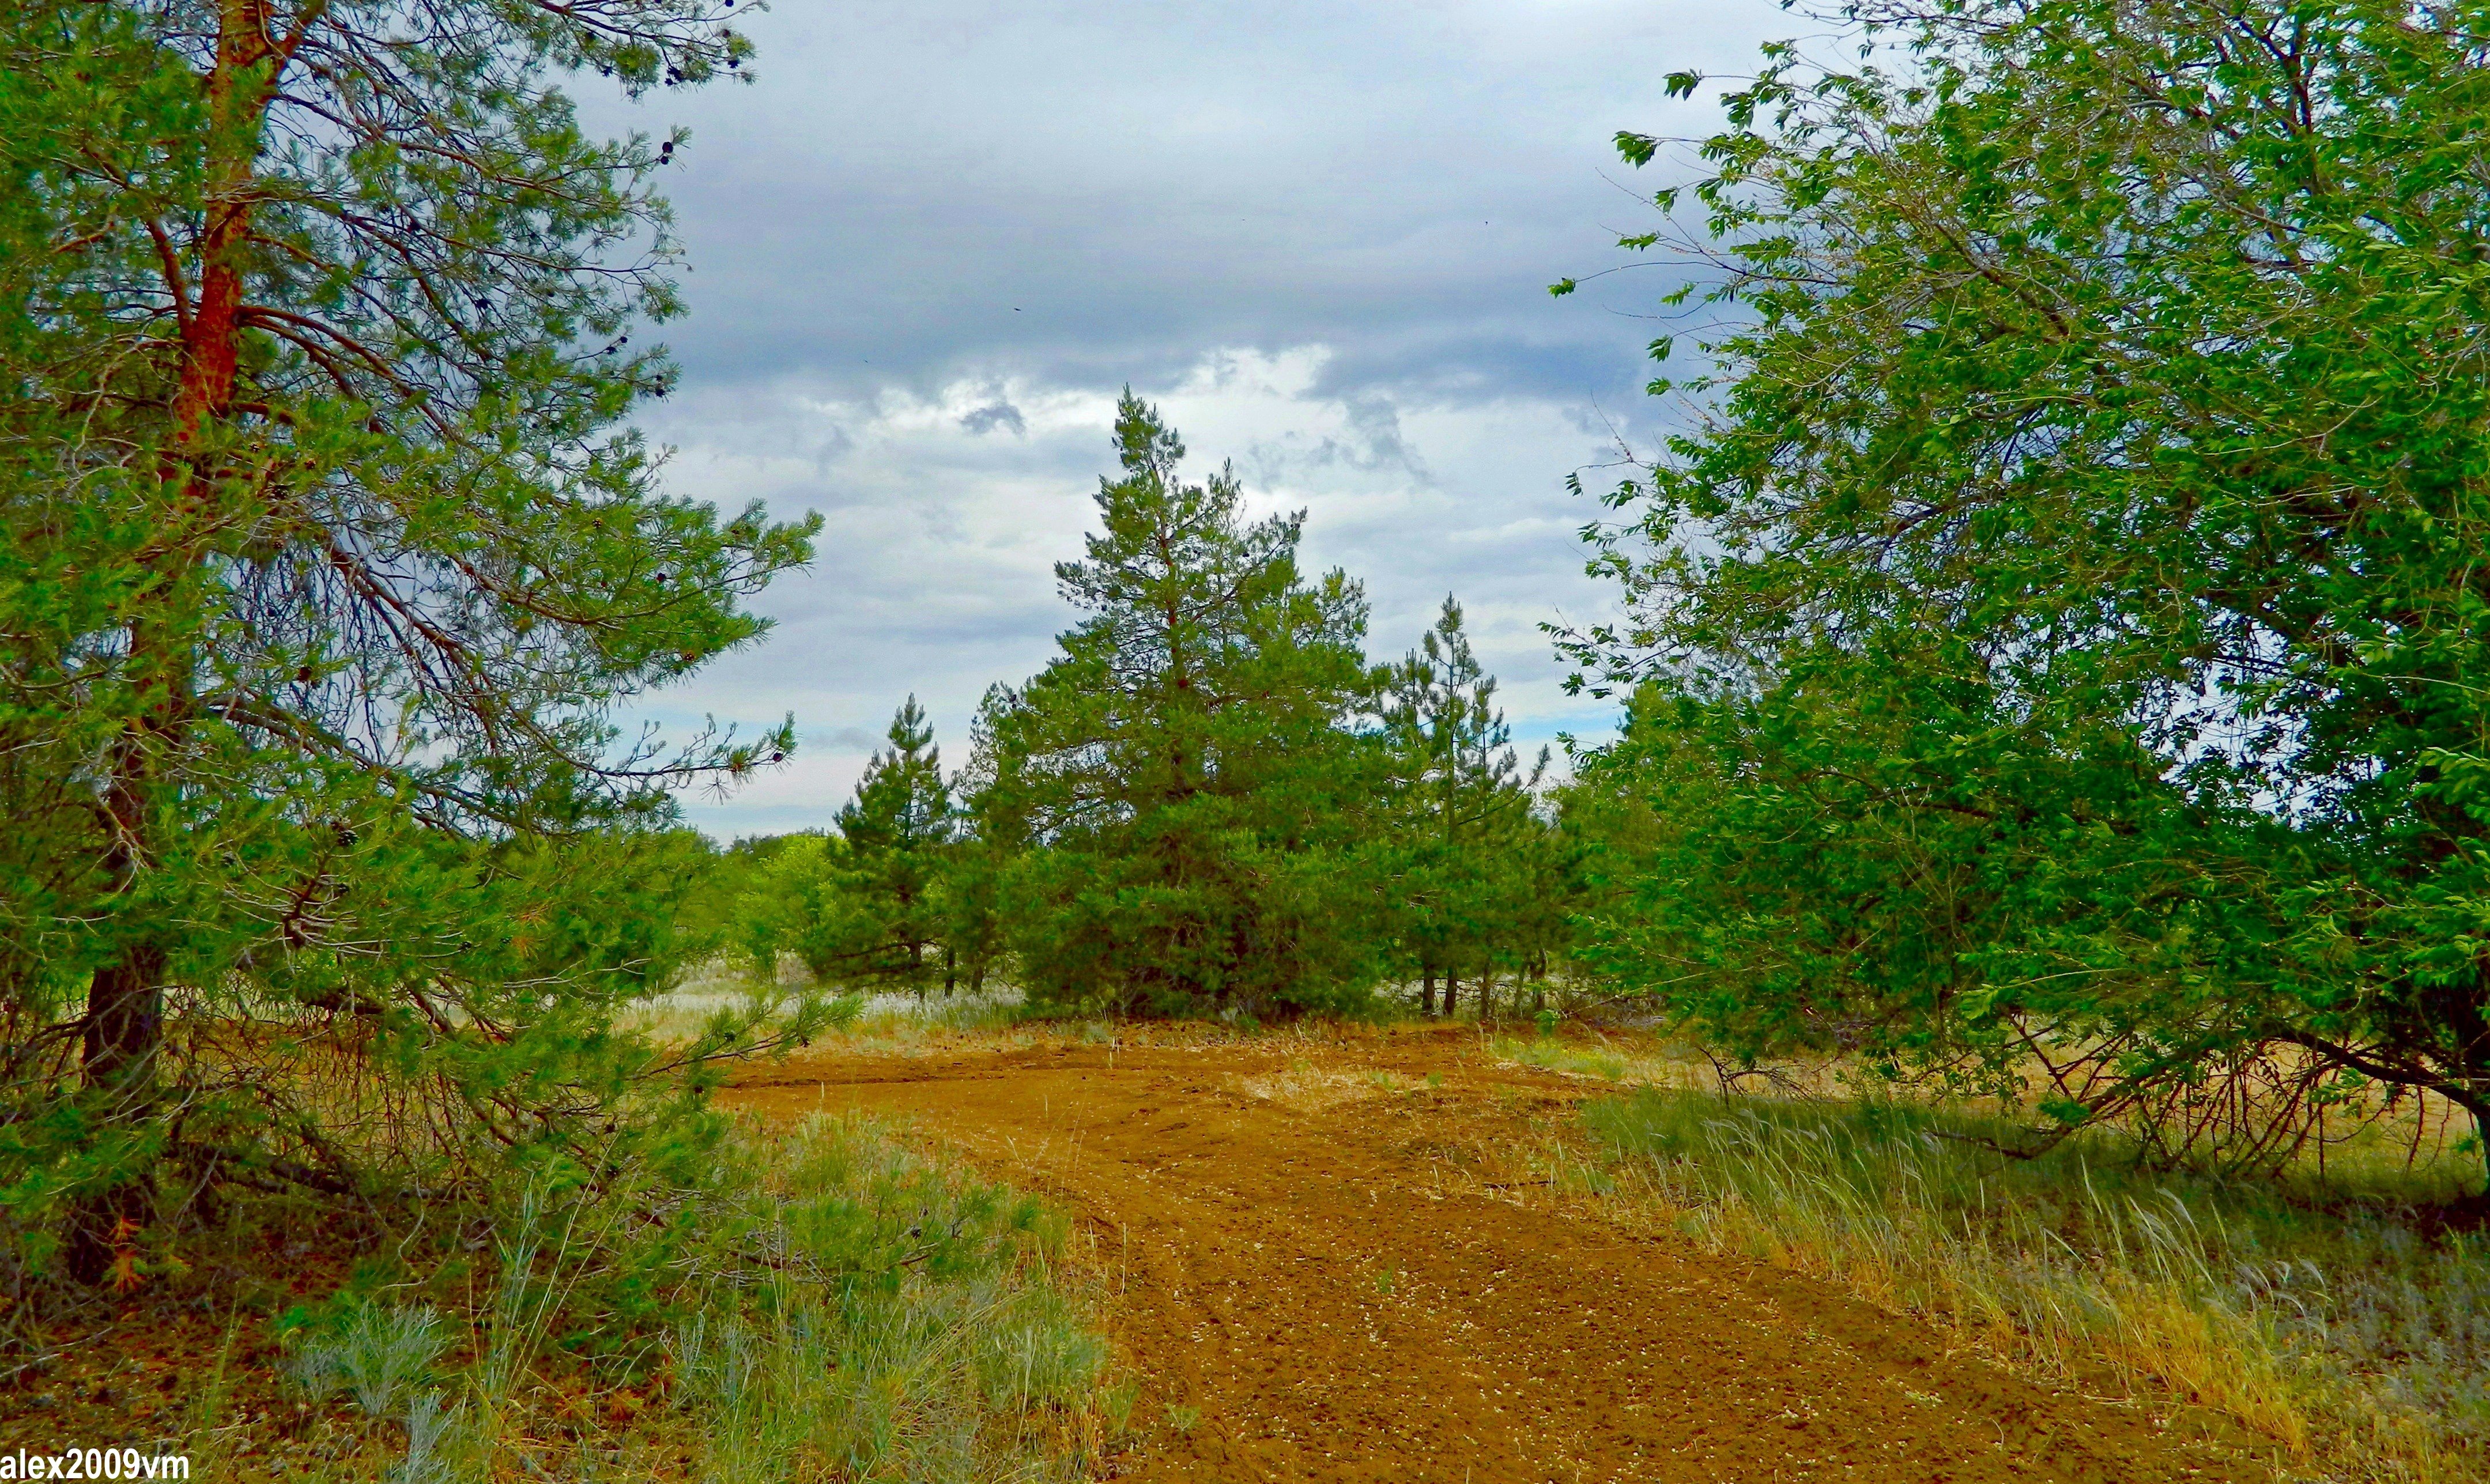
[{"x": 936, "y": 237}]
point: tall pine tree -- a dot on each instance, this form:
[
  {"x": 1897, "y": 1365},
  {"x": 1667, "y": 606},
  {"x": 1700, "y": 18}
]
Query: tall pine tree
[
  {"x": 328, "y": 560},
  {"x": 1184, "y": 777}
]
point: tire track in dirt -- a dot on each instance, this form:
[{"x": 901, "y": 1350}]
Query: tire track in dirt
[{"x": 1300, "y": 1258}]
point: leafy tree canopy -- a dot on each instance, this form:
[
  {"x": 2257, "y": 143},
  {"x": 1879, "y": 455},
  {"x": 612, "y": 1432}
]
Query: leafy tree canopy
[{"x": 2061, "y": 633}]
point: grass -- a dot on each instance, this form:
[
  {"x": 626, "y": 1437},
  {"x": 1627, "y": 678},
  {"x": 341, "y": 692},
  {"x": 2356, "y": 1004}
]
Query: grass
[
  {"x": 883, "y": 1023},
  {"x": 2333, "y": 1320},
  {"x": 1553, "y": 1056},
  {"x": 833, "y": 1303},
  {"x": 863, "y": 1311},
  {"x": 998, "y": 1018},
  {"x": 1643, "y": 1061}
]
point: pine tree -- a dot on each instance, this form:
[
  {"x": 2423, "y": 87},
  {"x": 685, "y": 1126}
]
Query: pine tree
[
  {"x": 1544, "y": 863},
  {"x": 1465, "y": 799},
  {"x": 328, "y": 560},
  {"x": 898, "y": 829},
  {"x": 1183, "y": 779}
]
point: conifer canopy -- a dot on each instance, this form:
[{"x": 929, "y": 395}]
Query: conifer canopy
[{"x": 1185, "y": 778}]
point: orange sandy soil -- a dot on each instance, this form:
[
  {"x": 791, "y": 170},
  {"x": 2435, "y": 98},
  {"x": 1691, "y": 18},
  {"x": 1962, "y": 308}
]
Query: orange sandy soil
[{"x": 1345, "y": 1273}]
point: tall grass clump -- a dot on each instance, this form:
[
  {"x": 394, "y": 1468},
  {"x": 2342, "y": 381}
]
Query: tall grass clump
[
  {"x": 827, "y": 1304},
  {"x": 886, "y": 1315},
  {"x": 2346, "y": 1330}
]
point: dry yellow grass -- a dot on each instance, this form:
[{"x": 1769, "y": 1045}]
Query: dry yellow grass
[{"x": 2324, "y": 1317}]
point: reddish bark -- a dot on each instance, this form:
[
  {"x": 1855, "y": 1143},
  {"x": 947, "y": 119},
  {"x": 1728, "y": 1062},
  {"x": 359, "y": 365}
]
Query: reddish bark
[{"x": 122, "y": 1029}]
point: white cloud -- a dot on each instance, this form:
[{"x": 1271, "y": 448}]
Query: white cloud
[
  {"x": 935, "y": 568},
  {"x": 937, "y": 237}
]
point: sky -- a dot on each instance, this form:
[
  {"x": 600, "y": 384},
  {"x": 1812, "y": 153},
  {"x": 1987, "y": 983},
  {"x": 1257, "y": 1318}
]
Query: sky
[{"x": 932, "y": 240}]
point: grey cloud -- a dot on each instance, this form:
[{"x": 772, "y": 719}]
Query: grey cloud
[
  {"x": 936, "y": 221},
  {"x": 910, "y": 187},
  {"x": 995, "y": 415},
  {"x": 1378, "y": 421},
  {"x": 1370, "y": 442}
]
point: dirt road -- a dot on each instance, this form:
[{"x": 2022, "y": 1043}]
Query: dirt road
[{"x": 1320, "y": 1268}]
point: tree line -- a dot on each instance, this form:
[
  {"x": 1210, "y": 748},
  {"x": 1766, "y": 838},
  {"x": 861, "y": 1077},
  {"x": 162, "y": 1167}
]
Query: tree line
[{"x": 1210, "y": 802}]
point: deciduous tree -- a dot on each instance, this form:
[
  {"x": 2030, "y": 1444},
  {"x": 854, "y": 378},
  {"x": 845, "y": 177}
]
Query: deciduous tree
[{"x": 2061, "y": 634}]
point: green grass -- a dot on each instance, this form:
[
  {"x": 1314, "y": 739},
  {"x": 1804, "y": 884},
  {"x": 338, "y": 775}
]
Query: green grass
[
  {"x": 2331, "y": 1319},
  {"x": 912, "y": 1323},
  {"x": 843, "y": 1306},
  {"x": 1550, "y": 1055}
]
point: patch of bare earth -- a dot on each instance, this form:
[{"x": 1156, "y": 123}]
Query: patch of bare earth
[{"x": 1320, "y": 1268}]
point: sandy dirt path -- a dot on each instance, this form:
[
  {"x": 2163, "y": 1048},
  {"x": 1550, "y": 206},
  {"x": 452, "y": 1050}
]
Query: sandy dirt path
[{"x": 1317, "y": 1274}]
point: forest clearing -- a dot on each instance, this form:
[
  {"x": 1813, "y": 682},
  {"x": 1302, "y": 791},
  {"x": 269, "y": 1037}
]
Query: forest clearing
[{"x": 1382, "y": 1255}]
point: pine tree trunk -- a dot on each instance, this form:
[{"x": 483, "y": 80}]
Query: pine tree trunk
[
  {"x": 1452, "y": 993},
  {"x": 1427, "y": 992},
  {"x": 950, "y": 972},
  {"x": 122, "y": 1029},
  {"x": 122, "y": 1033}
]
